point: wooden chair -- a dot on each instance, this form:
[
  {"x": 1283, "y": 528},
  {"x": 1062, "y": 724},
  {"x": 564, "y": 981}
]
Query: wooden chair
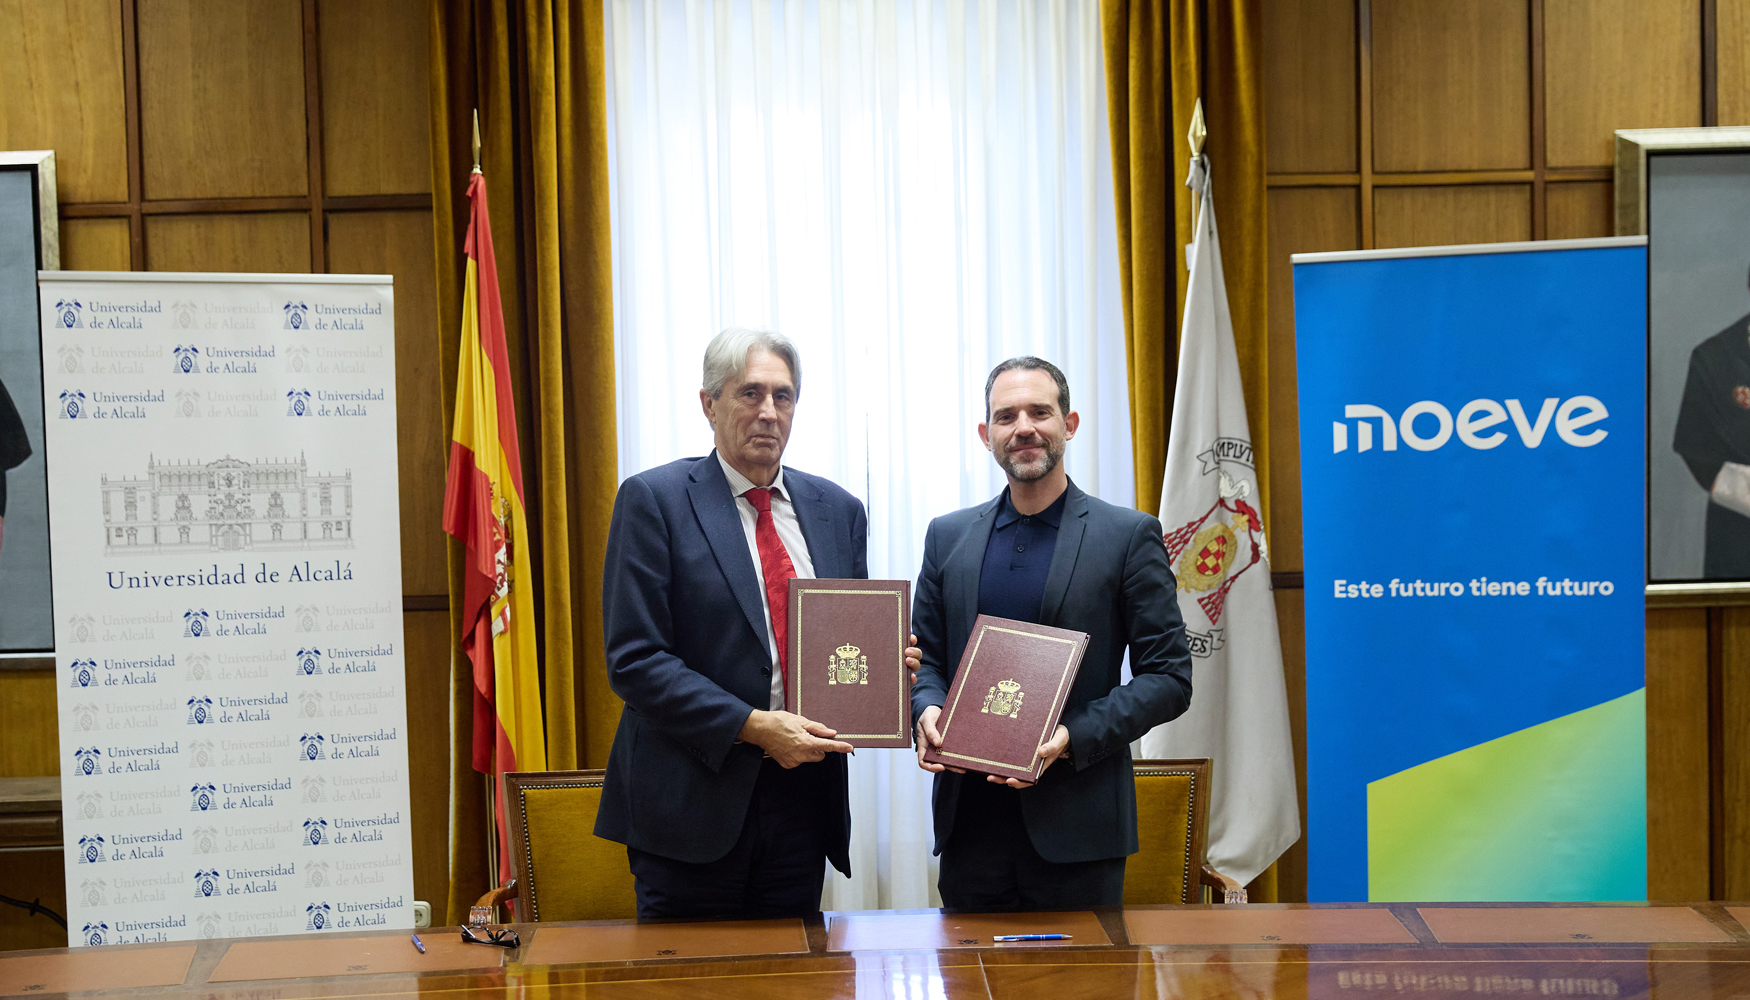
[
  {"x": 560, "y": 869},
  {"x": 1172, "y": 822}
]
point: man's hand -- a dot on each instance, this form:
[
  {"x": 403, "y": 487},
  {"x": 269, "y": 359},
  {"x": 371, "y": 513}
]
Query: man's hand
[
  {"x": 914, "y": 658},
  {"x": 929, "y": 737},
  {"x": 1050, "y": 750},
  {"x": 789, "y": 738}
]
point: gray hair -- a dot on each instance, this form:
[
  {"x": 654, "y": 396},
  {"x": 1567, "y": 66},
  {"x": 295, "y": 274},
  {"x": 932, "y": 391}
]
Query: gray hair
[
  {"x": 1028, "y": 363},
  {"x": 726, "y": 356}
]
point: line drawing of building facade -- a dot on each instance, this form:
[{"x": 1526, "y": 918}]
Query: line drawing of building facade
[{"x": 228, "y": 505}]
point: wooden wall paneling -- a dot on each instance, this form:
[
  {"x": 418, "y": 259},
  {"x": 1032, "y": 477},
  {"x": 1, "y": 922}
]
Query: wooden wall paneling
[
  {"x": 1451, "y": 85},
  {"x": 38, "y": 874},
  {"x": 1441, "y": 216},
  {"x": 94, "y": 245},
  {"x": 1677, "y": 754},
  {"x": 1613, "y": 64},
  {"x": 375, "y": 106},
  {"x": 62, "y": 90},
  {"x": 222, "y": 99},
  {"x": 1301, "y": 220},
  {"x": 1578, "y": 209},
  {"x": 1309, "y": 86},
  {"x": 266, "y": 241},
  {"x": 1291, "y": 624},
  {"x": 427, "y": 637},
  {"x": 1732, "y": 826},
  {"x": 30, "y": 741},
  {"x": 401, "y": 244},
  {"x": 1732, "y": 60}
]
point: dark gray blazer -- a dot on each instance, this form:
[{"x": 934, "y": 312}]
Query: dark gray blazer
[
  {"x": 1110, "y": 578},
  {"x": 687, "y": 651}
]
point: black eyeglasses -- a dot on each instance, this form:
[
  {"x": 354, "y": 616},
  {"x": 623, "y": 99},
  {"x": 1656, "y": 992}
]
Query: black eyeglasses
[{"x": 504, "y": 938}]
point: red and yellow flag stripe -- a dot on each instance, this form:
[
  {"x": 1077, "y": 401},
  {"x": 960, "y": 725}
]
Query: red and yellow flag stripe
[{"x": 483, "y": 509}]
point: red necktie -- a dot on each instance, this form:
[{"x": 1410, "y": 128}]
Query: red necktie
[{"x": 777, "y": 570}]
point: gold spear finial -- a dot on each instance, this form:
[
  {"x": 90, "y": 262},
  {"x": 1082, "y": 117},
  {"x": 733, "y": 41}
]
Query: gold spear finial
[
  {"x": 476, "y": 140},
  {"x": 1196, "y": 134}
]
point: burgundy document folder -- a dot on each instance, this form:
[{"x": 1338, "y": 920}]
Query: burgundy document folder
[
  {"x": 847, "y": 658},
  {"x": 1007, "y": 696}
]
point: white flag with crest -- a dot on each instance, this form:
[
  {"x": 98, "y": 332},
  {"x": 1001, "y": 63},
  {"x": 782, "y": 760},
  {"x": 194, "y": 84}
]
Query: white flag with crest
[{"x": 1215, "y": 539}]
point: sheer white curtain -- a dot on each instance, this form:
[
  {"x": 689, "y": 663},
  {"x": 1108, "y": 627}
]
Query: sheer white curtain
[{"x": 912, "y": 191}]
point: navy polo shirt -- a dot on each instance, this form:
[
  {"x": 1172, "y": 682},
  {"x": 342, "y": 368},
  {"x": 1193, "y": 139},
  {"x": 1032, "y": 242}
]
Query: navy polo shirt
[{"x": 1017, "y": 559}]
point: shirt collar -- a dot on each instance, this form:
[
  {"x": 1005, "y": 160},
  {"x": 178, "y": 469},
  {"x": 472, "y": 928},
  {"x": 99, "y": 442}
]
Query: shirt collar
[
  {"x": 1052, "y": 515},
  {"x": 739, "y": 484}
]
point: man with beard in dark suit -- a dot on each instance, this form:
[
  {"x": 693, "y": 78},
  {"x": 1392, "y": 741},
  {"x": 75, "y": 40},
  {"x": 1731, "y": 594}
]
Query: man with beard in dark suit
[{"x": 1713, "y": 437}]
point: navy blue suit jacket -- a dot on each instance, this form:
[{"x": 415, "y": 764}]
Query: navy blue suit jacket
[
  {"x": 1110, "y": 578},
  {"x": 687, "y": 651}
]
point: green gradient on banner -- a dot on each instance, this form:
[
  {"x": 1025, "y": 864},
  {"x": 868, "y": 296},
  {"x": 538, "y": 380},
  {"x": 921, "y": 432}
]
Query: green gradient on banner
[{"x": 1554, "y": 812}]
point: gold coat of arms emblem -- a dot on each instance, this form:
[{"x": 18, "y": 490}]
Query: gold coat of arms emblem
[
  {"x": 847, "y": 665},
  {"x": 1004, "y": 698}
]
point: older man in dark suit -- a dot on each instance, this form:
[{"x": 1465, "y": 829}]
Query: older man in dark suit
[
  {"x": 728, "y": 804},
  {"x": 1045, "y": 552}
]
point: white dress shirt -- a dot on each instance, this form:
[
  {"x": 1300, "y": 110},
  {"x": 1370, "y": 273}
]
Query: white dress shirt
[{"x": 789, "y": 532}]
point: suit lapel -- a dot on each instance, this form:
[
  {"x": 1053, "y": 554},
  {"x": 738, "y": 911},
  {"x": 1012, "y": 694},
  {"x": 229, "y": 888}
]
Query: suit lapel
[
  {"x": 1063, "y": 559},
  {"x": 816, "y": 523},
  {"x": 965, "y": 563},
  {"x": 718, "y": 519}
]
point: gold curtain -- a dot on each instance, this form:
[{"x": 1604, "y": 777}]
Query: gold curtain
[
  {"x": 535, "y": 71},
  {"x": 1157, "y": 51}
]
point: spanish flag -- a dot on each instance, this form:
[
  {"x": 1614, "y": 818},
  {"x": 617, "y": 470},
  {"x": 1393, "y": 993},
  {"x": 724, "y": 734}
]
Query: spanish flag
[{"x": 483, "y": 509}]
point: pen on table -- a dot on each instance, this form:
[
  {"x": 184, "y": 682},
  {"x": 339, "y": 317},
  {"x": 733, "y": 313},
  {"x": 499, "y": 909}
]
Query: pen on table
[
  {"x": 1032, "y": 937},
  {"x": 417, "y": 943}
]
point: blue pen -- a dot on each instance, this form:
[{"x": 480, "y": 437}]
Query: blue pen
[
  {"x": 1032, "y": 937},
  {"x": 417, "y": 943}
]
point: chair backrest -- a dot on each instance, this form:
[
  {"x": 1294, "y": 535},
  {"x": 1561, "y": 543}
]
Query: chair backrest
[
  {"x": 1172, "y": 824},
  {"x": 563, "y": 870}
]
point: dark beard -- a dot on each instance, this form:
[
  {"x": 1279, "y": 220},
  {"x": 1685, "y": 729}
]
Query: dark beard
[{"x": 1053, "y": 455}]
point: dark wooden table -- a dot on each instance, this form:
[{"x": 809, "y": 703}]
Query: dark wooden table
[{"x": 1260, "y": 952}]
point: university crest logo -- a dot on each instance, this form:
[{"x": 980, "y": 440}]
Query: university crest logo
[
  {"x": 84, "y": 673},
  {"x": 93, "y": 889},
  {"x": 96, "y": 934},
  {"x": 309, "y": 662},
  {"x": 310, "y": 746},
  {"x": 313, "y": 789},
  {"x": 83, "y": 628},
  {"x": 294, "y": 312},
  {"x": 200, "y": 753},
  {"x": 310, "y": 705},
  {"x": 206, "y": 884},
  {"x": 194, "y": 623},
  {"x": 208, "y": 924},
  {"x": 205, "y": 839},
  {"x": 86, "y": 762},
  {"x": 188, "y": 403},
  {"x": 72, "y": 359},
  {"x": 318, "y": 913},
  {"x": 316, "y": 874},
  {"x": 85, "y": 717},
  {"x": 186, "y": 359},
  {"x": 309, "y": 619},
  {"x": 298, "y": 403},
  {"x": 197, "y": 665},
  {"x": 203, "y": 798},
  {"x": 72, "y": 405},
  {"x": 297, "y": 359},
  {"x": 315, "y": 831},
  {"x": 90, "y": 805},
  {"x": 69, "y": 314},
  {"x": 182, "y": 315},
  {"x": 200, "y": 711},
  {"x": 1204, "y": 552},
  {"x": 90, "y": 849}
]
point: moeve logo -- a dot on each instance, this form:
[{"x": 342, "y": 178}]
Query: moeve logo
[
  {"x": 1473, "y": 419},
  {"x": 86, "y": 762},
  {"x": 90, "y": 849},
  {"x": 68, "y": 313}
]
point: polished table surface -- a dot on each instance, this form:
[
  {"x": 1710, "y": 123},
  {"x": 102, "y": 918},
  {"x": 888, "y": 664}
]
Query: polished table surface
[{"x": 1440, "y": 951}]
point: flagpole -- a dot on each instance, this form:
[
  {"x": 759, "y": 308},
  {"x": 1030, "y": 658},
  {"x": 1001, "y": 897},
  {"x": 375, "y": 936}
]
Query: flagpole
[{"x": 492, "y": 858}]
